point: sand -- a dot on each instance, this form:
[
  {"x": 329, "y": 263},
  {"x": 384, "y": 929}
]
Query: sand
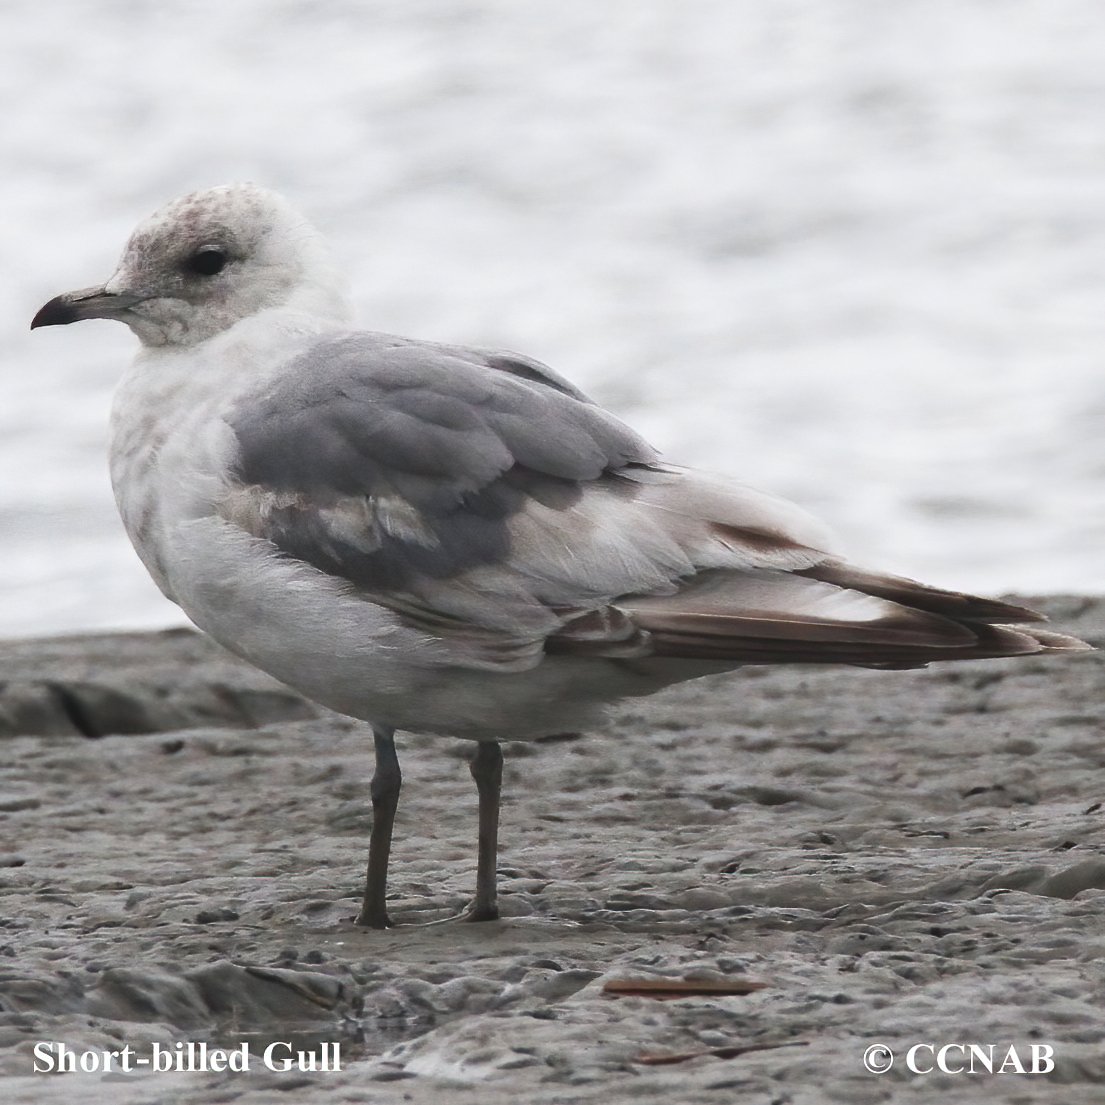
[{"x": 900, "y": 858}]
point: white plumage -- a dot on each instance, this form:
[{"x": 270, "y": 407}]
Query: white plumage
[{"x": 445, "y": 539}]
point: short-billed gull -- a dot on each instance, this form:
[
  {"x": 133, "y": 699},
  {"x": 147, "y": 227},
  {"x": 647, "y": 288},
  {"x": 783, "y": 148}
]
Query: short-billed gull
[{"x": 446, "y": 539}]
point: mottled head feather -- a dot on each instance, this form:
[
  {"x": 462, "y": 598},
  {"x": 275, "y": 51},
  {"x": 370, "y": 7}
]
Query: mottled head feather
[{"x": 270, "y": 256}]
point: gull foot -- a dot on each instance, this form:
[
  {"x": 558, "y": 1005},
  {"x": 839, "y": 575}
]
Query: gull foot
[
  {"x": 481, "y": 913},
  {"x": 374, "y": 920}
]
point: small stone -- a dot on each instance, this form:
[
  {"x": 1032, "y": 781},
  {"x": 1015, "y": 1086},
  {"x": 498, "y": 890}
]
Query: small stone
[{"x": 209, "y": 916}]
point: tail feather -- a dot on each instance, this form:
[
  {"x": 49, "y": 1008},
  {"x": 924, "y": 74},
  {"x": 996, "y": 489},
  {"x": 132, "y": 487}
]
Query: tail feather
[
  {"x": 830, "y": 614},
  {"x": 990, "y": 641}
]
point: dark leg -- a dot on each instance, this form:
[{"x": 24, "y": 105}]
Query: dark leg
[
  {"x": 386, "y": 782},
  {"x": 487, "y": 770}
]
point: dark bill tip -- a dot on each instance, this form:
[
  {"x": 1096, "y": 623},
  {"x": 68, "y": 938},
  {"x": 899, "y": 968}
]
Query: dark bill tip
[
  {"x": 60, "y": 311},
  {"x": 87, "y": 303}
]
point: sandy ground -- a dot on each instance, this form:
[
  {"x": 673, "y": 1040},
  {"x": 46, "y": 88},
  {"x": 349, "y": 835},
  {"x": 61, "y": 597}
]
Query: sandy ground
[{"x": 900, "y": 858}]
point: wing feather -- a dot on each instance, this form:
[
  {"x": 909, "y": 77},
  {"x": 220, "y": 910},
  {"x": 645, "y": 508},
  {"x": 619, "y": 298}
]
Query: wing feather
[{"x": 493, "y": 506}]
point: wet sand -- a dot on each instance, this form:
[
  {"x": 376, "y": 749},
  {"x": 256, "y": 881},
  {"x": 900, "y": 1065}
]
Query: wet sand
[{"x": 900, "y": 857}]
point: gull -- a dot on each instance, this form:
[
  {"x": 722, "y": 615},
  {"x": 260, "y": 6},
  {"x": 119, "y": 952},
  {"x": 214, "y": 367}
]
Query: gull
[{"x": 443, "y": 539}]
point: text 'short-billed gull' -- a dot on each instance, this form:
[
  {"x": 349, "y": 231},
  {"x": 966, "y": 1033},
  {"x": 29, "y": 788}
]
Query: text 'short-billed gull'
[{"x": 445, "y": 539}]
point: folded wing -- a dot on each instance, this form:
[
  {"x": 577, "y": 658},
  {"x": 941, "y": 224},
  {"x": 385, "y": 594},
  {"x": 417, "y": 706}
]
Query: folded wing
[{"x": 493, "y": 506}]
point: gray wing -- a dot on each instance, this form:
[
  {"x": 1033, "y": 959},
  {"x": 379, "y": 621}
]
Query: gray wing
[
  {"x": 387, "y": 462},
  {"x": 492, "y": 505}
]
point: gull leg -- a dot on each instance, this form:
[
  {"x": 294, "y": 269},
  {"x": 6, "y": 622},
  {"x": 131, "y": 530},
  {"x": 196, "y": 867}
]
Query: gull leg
[
  {"x": 386, "y": 783},
  {"x": 487, "y": 769}
]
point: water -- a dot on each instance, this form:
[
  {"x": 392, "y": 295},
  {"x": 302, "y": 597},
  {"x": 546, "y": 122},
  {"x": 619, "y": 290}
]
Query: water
[{"x": 853, "y": 252}]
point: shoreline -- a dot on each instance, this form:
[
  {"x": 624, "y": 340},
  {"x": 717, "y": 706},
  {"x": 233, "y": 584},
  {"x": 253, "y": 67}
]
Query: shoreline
[{"x": 900, "y": 857}]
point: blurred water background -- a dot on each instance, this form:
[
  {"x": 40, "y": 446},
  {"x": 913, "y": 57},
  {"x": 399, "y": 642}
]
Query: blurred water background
[{"x": 849, "y": 250}]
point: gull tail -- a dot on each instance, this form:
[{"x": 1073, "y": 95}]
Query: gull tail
[{"x": 833, "y": 613}]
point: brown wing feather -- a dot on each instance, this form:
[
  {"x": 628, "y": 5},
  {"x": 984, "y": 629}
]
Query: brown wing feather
[
  {"x": 831, "y": 614},
  {"x": 920, "y": 596}
]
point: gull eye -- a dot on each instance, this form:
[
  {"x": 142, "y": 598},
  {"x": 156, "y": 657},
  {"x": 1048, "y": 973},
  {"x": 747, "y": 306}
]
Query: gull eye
[{"x": 206, "y": 261}]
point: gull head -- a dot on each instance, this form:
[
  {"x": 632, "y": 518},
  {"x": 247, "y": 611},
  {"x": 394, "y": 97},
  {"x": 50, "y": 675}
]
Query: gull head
[{"x": 207, "y": 261}]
